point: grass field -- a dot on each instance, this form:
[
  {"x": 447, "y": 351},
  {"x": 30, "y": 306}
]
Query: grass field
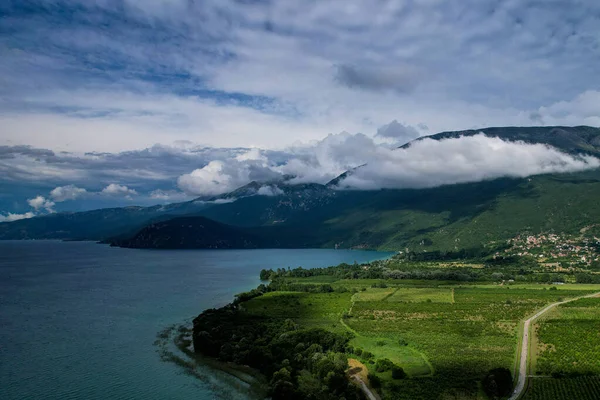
[{"x": 445, "y": 336}]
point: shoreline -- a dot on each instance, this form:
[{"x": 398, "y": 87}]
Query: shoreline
[{"x": 175, "y": 346}]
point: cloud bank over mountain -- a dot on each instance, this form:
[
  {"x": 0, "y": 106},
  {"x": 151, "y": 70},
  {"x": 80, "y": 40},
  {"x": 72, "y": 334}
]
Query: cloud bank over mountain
[
  {"x": 205, "y": 172},
  {"x": 430, "y": 163}
]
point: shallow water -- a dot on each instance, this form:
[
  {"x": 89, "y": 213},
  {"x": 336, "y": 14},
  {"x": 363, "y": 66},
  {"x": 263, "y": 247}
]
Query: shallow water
[{"x": 78, "y": 320}]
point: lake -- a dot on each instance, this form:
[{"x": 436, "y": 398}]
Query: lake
[{"x": 78, "y": 320}]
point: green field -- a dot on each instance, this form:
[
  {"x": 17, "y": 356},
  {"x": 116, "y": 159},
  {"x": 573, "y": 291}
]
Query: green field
[
  {"x": 569, "y": 340},
  {"x": 579, "y": 388},
  {"x": 461, "y": 340},
  {"x": 435, "y": 295},
  {"x": 445, "y": 336}
]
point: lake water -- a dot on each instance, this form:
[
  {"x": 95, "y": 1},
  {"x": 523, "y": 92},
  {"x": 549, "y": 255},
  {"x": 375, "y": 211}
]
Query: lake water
[{"x": 78, "y": 320}]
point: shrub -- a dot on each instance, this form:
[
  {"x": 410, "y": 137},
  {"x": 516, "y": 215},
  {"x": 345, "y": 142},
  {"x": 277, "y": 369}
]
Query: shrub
[
  {"x": 402, "y": 342},
  {"x": 374, "y": 380}
]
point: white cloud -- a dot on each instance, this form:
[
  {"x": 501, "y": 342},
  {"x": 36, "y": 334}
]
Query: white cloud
[
  {"x": 430, "y": 163},
  {"x": 118, "y": 190},
  {"x": 425, "y": 163},
  {"x": 253, "y": 154},
  {"x": 69, "y": 192},
  {"x": 328, "y": 158},
  {"x": 40, "y": 202},
  {"x": 15, "y": 217},
  {"x": 269, "y": 191},
  {"x": 219, "y": 177}
]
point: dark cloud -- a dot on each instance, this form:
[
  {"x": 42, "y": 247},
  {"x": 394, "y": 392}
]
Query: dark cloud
[
  {"x": 536, "y": 117},
  {"x": 401, "y": 80},
  {"x": 12, "y": 151}
]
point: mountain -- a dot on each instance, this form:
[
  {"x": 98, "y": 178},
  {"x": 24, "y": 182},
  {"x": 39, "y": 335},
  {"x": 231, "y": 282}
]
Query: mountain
[
  {"x": 204, "y": 233},
  {"x": 443, "y": 218},
  {"x": 573, "y": 140},
  {"x": 95, "y": 224},
  {"x": 122, "y": 222},
  {"x": 191, "y": 232},
  {"x": 446, "y": 217}
]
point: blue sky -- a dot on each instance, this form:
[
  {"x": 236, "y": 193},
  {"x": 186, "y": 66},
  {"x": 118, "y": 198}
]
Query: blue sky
[{"x": 117, "y": 77}]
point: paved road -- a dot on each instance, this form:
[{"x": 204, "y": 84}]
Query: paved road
[{"x": 525, "y": 346}]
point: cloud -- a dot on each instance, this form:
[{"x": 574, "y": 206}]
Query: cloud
[
  {"x": 15, "y": 217},
  {"x": 69, "y": 192},
  {"x": 398, "y": 132},
  {"x": 219, "y": 177},
  {"x": 253, "y": 154},
  {"x": 430, "y": 163},
  {"x": 122, "y": 75},
  {"x": 118, "y": 190},
  {"x": 326, "y": 159},
  {"x": 168, "y": 195},
  {"x": 40, "y": 202},
  {"x": 269, "y": 191},
  {"x": 401, "y": 80}
]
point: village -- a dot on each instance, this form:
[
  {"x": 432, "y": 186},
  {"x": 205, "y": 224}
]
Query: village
[{"x": 556, "y": 250}]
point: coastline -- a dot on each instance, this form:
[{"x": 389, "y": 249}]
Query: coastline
[{"x": 174, "y": 346}]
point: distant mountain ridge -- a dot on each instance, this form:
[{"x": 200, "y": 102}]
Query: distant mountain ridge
[
  {"x": 573, "y": 140},
  {"x": 318, "y": 215}
]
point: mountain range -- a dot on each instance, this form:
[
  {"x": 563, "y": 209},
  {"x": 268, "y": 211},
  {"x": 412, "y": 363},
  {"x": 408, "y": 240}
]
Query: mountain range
[{"x": 315, "y": 215}]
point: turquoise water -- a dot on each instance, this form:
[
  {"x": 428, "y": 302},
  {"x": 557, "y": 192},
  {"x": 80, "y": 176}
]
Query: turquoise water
[{"x": 78, "y": 320}]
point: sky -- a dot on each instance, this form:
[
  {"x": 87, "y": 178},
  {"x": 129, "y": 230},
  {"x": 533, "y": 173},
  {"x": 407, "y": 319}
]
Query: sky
[{"x": 121, "y": 102}]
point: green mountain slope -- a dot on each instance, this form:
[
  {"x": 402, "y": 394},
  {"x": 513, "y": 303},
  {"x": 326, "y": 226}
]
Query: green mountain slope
[{"x": 443, "y": 218}]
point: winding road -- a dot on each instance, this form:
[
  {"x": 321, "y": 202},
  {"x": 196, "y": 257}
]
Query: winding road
[{"x": 522, "y": 380}]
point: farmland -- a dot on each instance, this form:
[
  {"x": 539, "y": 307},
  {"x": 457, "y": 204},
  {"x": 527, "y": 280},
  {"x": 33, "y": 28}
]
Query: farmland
[
  {"x": 580, "y": 388},
  {"x": 419, "y": 338},
  {"x": 461, "y": 332},
  {"x": 572, "y": 323},
  {"x": 567, "y": 353}
]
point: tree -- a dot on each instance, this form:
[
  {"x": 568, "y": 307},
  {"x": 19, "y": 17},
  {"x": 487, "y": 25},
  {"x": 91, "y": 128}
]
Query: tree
[
  {"x": 398, "y": 372},
  {"x": 265, "y": 274},
  {"x": 498, "y": 383},
  {"x": 374, "y": 380},
  {"x": 383, "y": 365},
  {"x": 367, "y": 355}
]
